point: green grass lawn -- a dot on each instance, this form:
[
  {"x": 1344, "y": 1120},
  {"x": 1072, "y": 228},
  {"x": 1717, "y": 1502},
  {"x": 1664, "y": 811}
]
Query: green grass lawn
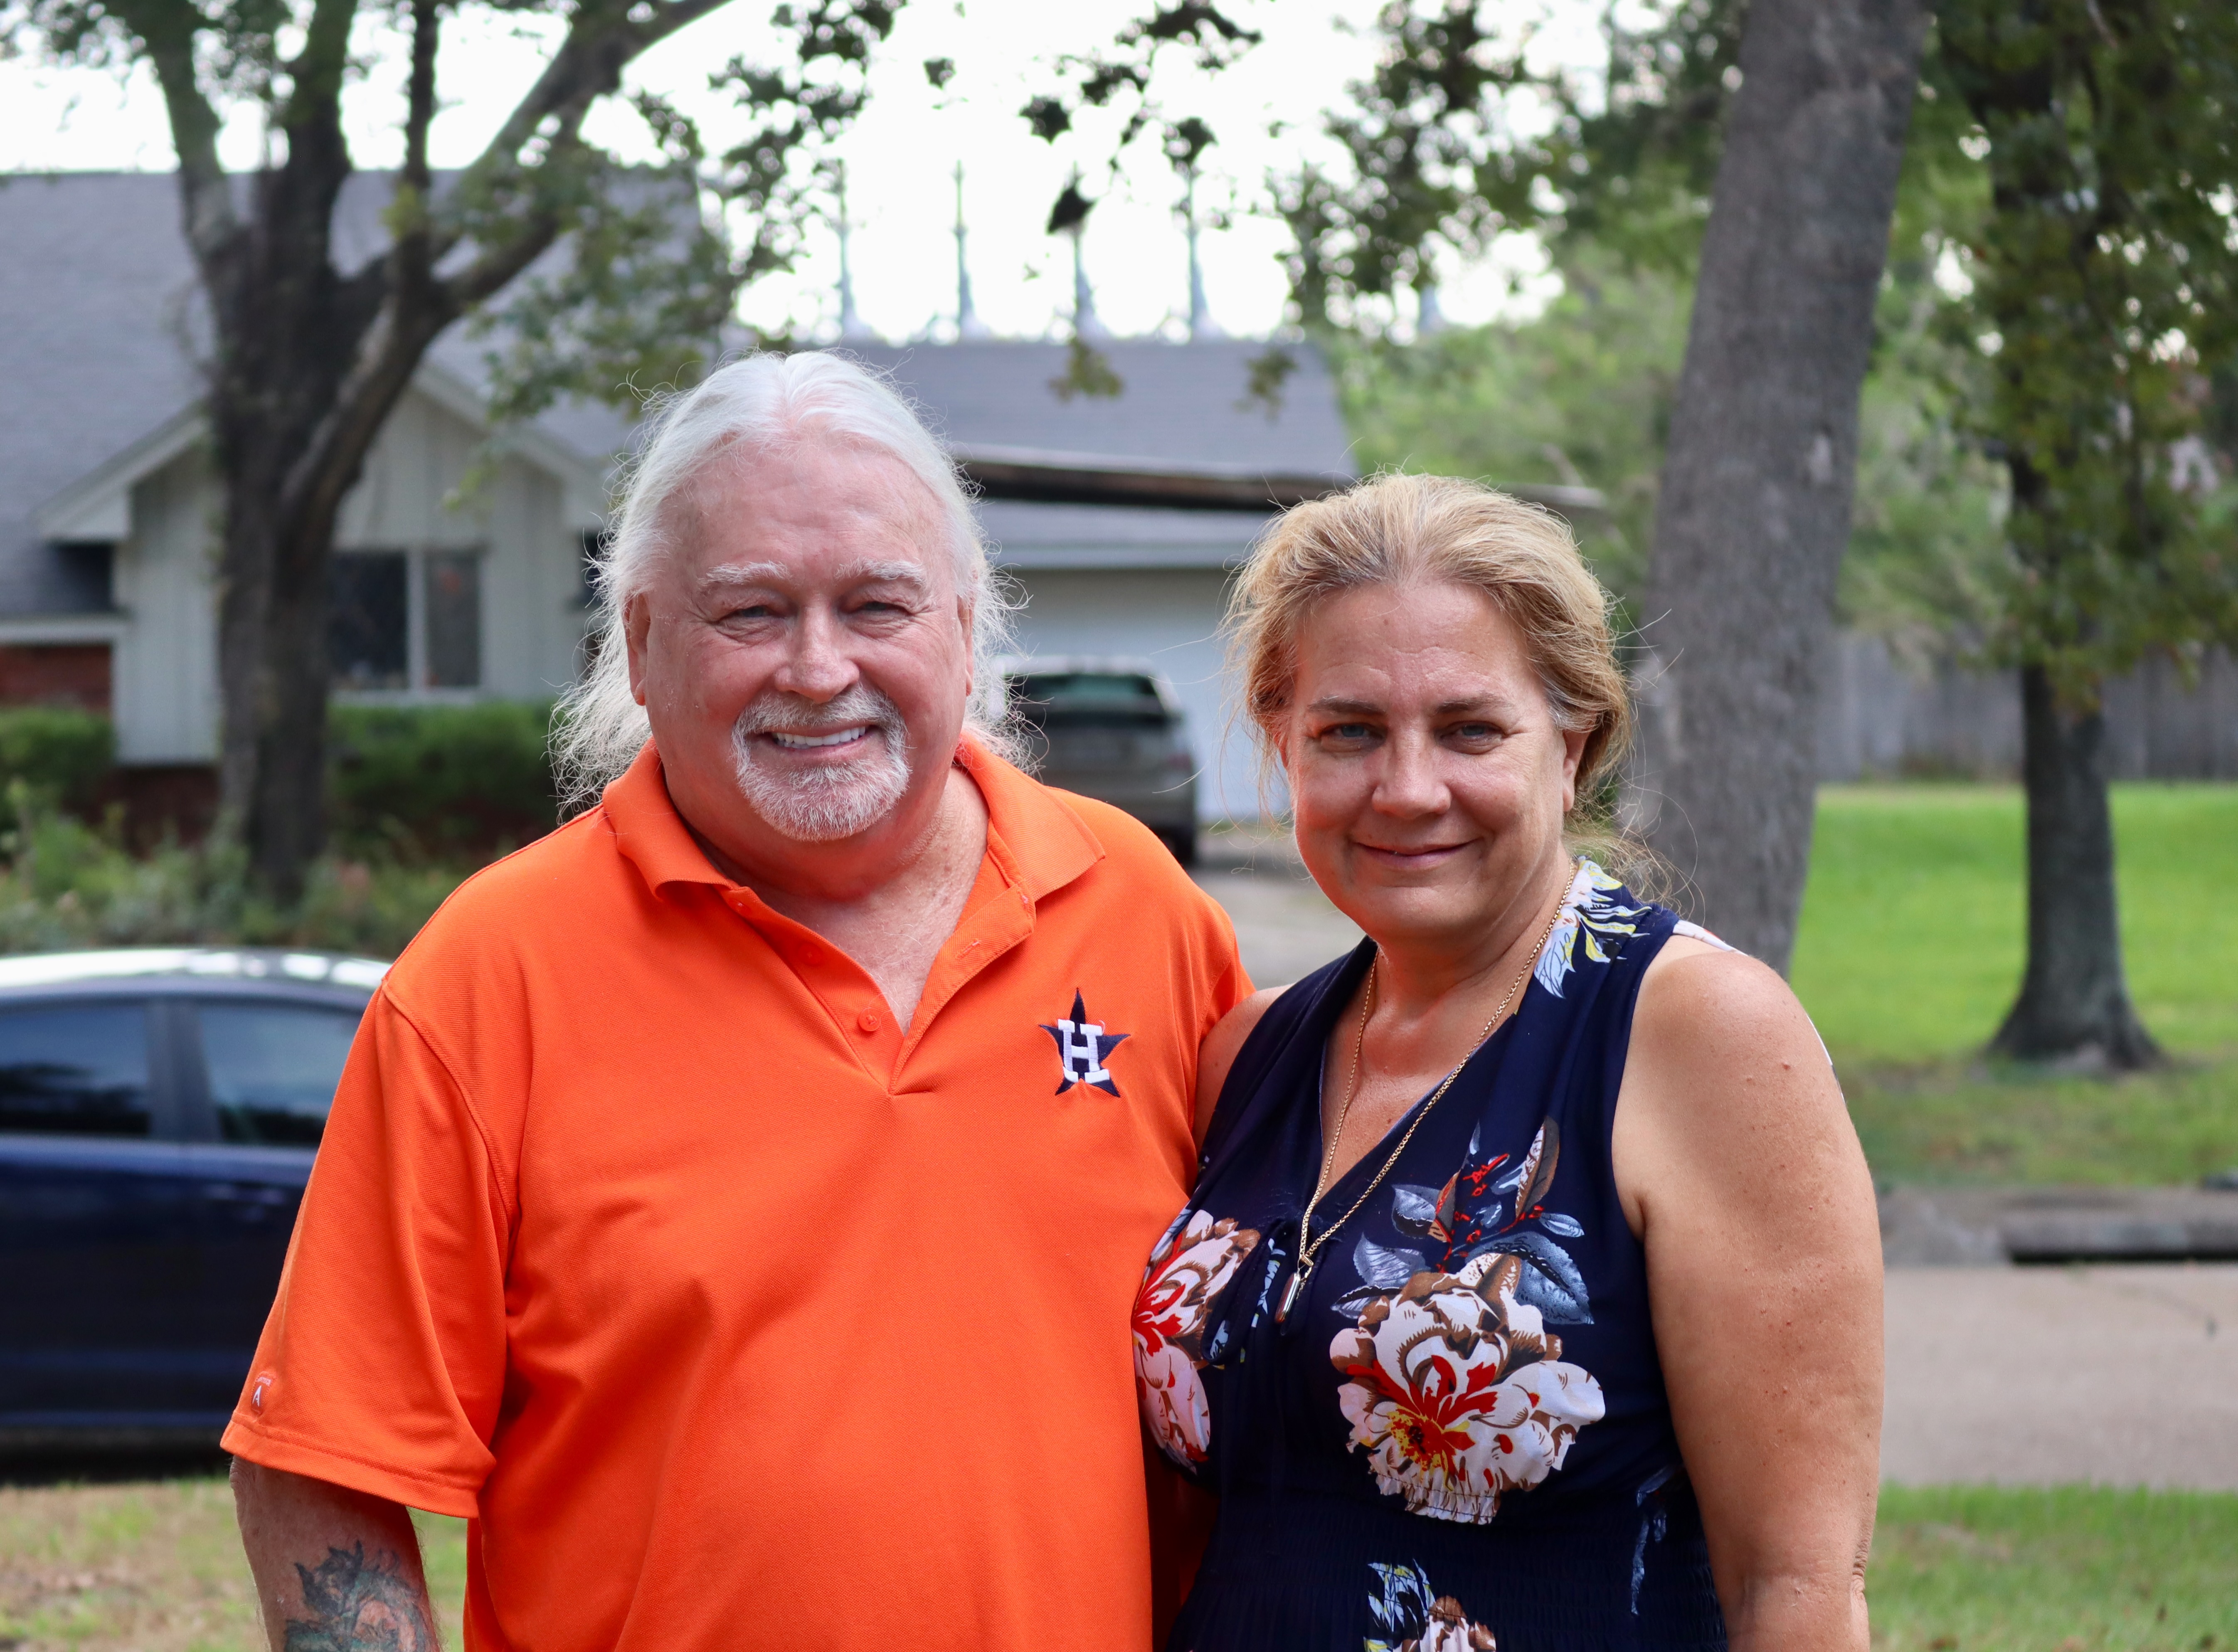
[
  {"x": 1915, "y": 920},
  {"x": 1969, "y": 1568},
  {"x": 1910, "y": 949},
  {"x": 156, "y": 1567}
]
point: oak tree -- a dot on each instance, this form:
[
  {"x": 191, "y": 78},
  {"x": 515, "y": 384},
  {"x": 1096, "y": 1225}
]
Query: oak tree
[
  {"x": 1798, "y": 109},
  {"x": 2102, "y": 312},
  {"x": 306, "y": 352}
]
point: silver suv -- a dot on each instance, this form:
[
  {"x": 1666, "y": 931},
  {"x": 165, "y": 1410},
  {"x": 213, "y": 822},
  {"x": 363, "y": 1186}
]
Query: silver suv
[{"x": 1109, "y": 729}]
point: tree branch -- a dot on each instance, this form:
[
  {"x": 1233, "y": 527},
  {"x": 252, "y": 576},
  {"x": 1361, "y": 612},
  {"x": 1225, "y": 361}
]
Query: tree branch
[
  {"x": 600, "y": 43},
  {"x": 319, "y": 68},
  {"x": 411, "y": 257},
  {"x": 426, "y": 33},
  {"x": 165, "y": 28},
  {"x": 588, "y": 66}
]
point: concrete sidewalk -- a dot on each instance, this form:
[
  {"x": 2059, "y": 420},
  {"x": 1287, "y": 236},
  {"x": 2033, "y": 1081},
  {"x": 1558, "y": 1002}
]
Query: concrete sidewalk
[{"x": 2123, "y": 1375}]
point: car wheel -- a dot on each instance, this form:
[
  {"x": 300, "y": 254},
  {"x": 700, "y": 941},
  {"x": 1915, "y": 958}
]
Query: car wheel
[{"x": 1181, "y": 840}]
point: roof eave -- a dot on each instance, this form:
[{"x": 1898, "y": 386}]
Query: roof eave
[{"x": 98, "y": 505}]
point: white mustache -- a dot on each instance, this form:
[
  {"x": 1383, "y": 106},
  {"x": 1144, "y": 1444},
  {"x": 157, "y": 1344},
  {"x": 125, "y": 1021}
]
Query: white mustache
[{"x": 860, "y": 706}]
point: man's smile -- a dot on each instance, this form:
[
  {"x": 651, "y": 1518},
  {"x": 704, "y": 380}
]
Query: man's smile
[{"x": 815, "y": 742}]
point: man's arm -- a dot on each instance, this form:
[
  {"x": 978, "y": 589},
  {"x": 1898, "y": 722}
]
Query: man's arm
[{"x": 336, "y": 1570}]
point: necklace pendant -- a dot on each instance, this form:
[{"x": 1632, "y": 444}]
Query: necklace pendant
[{"x": 1291, "y": 1290}]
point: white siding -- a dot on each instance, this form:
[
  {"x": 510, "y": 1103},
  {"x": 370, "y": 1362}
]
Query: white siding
[
  {"x": 165, "y": 681},
  {"x": 532, "y": 586},
  {"x": 165, "y": 662},
  {"x": 419, "y": 462},
  {"x": 1172, "y": 617}
]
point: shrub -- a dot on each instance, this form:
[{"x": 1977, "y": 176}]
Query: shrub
[
  {"x": 58, "y": 755},
  {"x": 441, "y": 783},
  {"x": 64, "y": 883}
]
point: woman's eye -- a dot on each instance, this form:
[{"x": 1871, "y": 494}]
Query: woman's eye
[
  {"x": 1474, "y": 732},
  {"x": 1347, "y": 734}
]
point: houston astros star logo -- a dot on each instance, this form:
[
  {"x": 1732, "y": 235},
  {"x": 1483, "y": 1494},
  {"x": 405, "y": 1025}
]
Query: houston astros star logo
[{"x": 1083, "y": 1046}]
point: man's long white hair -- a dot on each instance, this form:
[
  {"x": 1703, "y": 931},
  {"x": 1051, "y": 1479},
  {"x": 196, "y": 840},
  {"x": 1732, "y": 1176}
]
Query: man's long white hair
[{"x": 757, "y": 403}]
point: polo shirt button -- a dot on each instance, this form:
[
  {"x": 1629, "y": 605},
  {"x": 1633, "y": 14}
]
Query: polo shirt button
[
  {"x": 810, "y": 956},
  {"x": 868, "y": 1020}
]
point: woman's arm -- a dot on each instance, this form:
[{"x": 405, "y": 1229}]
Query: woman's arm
[
  {"x": 1217, "y": 1053},
  {"x": 1740, "y": 1172}
]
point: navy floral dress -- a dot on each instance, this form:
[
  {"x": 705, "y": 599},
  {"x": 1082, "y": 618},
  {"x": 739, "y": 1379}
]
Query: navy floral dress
[{"x": 1458, "y": 1438}]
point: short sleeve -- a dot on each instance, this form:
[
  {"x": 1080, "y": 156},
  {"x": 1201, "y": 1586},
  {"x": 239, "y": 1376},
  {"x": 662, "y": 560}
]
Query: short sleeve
[
  {"x": 1232, "y": 983},
  {"x": 382, "y": 1365}
]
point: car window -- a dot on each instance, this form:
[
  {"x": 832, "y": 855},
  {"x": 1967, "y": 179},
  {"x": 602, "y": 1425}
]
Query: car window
[
  {"x": 1088, "y": 697},
  {"x": 273, "y": 1068},
  {"x": 75, "y": 1070}
]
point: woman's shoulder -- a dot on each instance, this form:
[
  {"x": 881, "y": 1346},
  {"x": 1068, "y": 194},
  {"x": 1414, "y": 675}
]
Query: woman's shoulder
[
  {"x": 1274, "y": 1010},
  {"x": 1221, "y": 1045}
]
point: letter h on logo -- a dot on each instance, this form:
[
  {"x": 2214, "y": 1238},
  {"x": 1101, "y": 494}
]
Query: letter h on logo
[{"x": 1083, "y": 1047}]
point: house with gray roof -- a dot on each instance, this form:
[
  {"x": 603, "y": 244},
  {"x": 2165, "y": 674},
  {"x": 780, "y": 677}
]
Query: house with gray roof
[{"x": 1119, "y": 516}]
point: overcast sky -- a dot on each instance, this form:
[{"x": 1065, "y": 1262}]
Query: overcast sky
[{"x": 900, "y": 155}]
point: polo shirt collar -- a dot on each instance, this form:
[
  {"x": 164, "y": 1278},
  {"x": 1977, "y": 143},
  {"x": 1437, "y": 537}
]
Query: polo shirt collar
[{"x": 1038, "y": 843}]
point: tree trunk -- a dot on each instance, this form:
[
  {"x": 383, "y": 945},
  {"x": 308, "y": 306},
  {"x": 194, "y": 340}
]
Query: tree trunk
[
  {"x": 2074, "y": 1006},
  {"x": 288, "y": 328},
  {"x": 308, "y": 361},
  {"x": 1754, "y": 512}
]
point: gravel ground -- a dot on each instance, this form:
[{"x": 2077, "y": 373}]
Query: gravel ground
[{"x": 1284, "y": 925}]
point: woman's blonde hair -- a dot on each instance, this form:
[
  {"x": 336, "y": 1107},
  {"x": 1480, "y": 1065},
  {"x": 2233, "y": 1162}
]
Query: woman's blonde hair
[{"x": 1397, "y": 529}]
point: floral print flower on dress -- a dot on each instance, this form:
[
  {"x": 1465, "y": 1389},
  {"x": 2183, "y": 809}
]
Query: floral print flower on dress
[
  {"x": 1458, "y": 1393},
  {"x": 1189, "y": 1270},
  {"x": 1590, "y": 910},
  {"x": 1417, "y": 1619}
]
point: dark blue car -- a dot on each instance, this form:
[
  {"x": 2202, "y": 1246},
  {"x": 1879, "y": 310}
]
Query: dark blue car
[{"x": 159, "y": 1109}]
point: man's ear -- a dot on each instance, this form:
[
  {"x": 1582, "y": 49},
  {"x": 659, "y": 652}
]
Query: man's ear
[
  {"x": 966, "y": 615},
  {"x": 637, "y": 623}
]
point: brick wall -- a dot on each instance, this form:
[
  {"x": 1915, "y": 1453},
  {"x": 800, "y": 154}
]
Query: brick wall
[{"x": 56, "y": 673}]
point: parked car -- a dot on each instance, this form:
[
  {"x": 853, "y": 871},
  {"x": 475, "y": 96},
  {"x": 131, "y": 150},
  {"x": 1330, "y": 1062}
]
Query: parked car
[
  {"x": 1109, "y": 729},
  {"x": 159, "y": 1110}
]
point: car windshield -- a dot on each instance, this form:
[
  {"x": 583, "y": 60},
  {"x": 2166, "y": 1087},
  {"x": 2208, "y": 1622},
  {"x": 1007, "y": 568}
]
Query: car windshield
[{"x": 1076, "y": 696}]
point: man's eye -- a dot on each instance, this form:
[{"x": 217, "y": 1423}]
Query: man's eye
[{"x": 1474, "y": 732}]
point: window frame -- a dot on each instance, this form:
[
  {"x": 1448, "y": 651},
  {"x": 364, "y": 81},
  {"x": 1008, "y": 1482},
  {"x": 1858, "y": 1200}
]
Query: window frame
[{"x": 417, "y": 689}]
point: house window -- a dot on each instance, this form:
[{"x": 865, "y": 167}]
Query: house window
[
  {"x": 454, "y": 619},
  {"x": 407, "y": 619},
  {"x": 370, "y": 644}
]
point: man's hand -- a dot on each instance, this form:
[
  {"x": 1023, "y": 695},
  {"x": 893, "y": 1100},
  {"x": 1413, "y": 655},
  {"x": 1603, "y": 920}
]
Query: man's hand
[{"x": 336, "y": 1570}]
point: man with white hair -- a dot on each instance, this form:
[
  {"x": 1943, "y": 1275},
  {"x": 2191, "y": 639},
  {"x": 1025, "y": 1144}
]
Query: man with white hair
[{"x": 735, "y": 1201}]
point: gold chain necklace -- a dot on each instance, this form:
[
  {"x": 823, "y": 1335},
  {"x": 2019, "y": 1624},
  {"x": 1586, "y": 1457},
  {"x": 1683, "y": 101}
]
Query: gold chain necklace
[{"x": 1310, "y": 1249}]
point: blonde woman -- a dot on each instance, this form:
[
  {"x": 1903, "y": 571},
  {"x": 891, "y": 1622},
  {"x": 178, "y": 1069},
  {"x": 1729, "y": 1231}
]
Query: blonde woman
[{"x": 1530, "y": 1293}]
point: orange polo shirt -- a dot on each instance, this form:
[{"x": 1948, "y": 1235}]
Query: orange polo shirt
[{"x": 733, "y": 1314}]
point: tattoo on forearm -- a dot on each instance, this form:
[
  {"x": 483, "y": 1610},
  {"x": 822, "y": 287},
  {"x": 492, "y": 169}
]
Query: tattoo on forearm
[{"x": 361, "y": 1605}]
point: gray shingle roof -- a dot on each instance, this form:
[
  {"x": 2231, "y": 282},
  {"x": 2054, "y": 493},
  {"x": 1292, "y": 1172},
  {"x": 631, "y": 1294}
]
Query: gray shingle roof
[
  {"x": 99, "y": 310},
  {"x": 99, "y": 316},
  {"x": 1027, "y": 534},
  {"x": 1181, "y": 403},
  {"x": 95, "y": 294}
]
